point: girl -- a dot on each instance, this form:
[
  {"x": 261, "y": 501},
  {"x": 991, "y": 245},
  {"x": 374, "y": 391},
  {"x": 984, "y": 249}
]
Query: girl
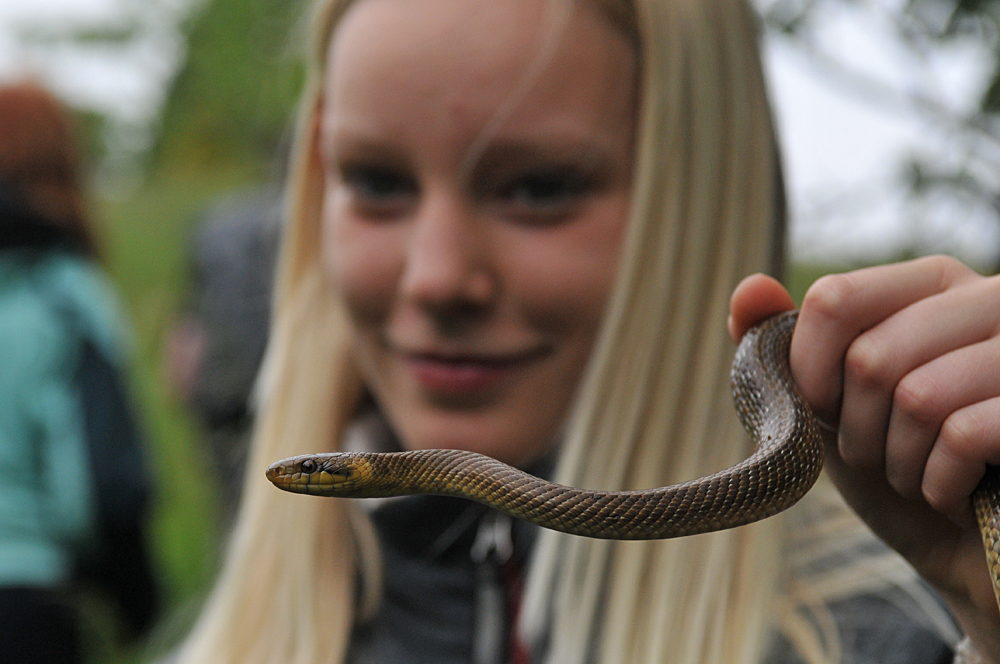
[{"x": 515, "y": 228}]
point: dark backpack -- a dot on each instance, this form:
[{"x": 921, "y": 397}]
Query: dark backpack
[{"x": 119, "y": 565}]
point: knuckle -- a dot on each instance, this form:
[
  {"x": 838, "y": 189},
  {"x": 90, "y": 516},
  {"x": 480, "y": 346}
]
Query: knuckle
[
  {"x": 901, "y": 473},
  {"x": 868, "y": 363},
  {"x": 918, "y": 398},
  {"x": 949, "y": 269},
  {"x": 905, "y": 485},
  {"x": 990, "y": 296},
  {"x": 992, "y": 284},
  {"x": 895, "y": 474},
  {"x": 830, "y": 297},
  {"x": 961, "y": 434},
  {"x": 851, "y": 454},
  {"x": 857, "y": 457}
]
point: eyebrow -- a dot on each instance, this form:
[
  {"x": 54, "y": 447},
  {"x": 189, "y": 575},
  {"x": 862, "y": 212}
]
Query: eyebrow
[
  {"x": 560, "y": 145},
  {"x": 559, "y": 148},
  {"x": 360, "y": 142}
]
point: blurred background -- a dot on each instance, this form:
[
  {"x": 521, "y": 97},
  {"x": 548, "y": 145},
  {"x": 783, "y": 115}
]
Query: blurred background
[{"x": 888, "y": 114}]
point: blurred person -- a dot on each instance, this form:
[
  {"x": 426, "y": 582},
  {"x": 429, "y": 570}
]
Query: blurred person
[
  {"x": 520, "y": 228},
  {"x": 73, "y": 487},
  {"x": 214, "y": 351}
]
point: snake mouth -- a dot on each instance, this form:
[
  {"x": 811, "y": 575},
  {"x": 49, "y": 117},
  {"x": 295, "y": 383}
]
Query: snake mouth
[
  {"x": 291, "y": 477},
  {"x": 287, "y": 478},
  {"x": 280, "y": 476}
]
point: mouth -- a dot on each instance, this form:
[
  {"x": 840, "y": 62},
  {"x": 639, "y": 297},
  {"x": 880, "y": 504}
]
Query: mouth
[{"x": 466, "y": 374}]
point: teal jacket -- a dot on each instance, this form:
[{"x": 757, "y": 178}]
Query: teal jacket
[{"x": 46, "y": 494}]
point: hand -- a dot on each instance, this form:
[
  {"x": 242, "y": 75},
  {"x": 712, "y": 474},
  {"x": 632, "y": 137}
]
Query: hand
[{"x": 903, "y": 362}]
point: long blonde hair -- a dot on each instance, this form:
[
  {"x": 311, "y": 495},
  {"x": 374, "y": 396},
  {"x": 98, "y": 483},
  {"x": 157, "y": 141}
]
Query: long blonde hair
[{"x": 653, "y": 408}]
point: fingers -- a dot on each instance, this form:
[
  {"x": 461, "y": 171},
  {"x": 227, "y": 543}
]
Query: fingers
[
  {"x": 838, "y": 309},
  {"x": 929, "y": 408},
  {"x": 904, "y": 365},
  {"x": 955, "y": 464},
  {"x": 756, "y": 298},
  {"x": 903, "y": 359}
]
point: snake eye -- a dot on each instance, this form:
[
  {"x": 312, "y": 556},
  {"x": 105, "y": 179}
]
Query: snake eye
[{"x": 308, "y": 467}]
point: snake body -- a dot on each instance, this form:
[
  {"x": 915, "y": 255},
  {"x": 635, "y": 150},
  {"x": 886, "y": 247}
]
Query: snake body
[
  {"x": 784, "y": 466},
  {"x": 986, "y": 503},
  {"x": 786, "y": 463}
]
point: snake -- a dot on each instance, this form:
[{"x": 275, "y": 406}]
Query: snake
[{"x": 786, "y": 462}]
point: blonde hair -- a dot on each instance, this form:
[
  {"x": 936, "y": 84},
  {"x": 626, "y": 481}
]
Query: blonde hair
[
  {"x": 654, "y": 407},
  {"x": 286, "y": 592}
]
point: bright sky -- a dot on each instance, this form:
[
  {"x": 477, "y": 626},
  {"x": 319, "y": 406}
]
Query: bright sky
[
  {"x": 842, "y": 152},
  {"x": 126, "y": 81}
]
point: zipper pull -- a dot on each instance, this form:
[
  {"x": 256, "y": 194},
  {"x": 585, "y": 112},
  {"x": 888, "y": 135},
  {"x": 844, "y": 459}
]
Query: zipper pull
[{"x": 492, "y": 548}]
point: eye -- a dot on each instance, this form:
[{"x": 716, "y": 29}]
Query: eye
[
  {"x": 377, "y": 188},
  {"x": 547, "y": 192},
  {"x": 547, "y": 188},
  {"x": 308, "y": 467}
]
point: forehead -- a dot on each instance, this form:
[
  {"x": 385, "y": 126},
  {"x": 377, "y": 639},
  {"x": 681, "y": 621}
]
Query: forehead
[{"x": 464, "y": 60}]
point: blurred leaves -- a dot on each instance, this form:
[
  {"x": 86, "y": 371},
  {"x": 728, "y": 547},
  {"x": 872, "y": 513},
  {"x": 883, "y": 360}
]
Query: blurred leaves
[
  {"x": 220, "y": 126},
  {"x": 960, "y": 157},
  {"x": 230, "y": 103},
  {"x": 103, "y": 35}
]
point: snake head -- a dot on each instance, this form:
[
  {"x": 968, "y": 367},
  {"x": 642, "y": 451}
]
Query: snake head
[{"x": 333, "y": 474}]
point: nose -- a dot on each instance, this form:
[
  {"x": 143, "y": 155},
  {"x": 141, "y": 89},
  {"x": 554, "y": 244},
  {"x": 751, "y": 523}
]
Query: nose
[{"x": 447, "y": 260}]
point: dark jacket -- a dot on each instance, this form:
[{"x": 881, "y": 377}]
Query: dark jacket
[{"x": 444, "y": 597}]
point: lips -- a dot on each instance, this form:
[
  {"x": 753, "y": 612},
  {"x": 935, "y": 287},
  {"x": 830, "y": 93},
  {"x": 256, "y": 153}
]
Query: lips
[{"x": 465, "y": 375}]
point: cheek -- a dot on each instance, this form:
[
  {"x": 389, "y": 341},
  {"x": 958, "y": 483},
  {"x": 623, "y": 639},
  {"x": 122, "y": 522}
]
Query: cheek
[
  {"x": 362, "y": 261},
  {"x": 568, "y": 286}
]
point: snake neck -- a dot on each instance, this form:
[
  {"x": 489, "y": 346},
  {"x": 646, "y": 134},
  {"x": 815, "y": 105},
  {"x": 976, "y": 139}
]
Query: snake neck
[{"x": 448, "y": 473}]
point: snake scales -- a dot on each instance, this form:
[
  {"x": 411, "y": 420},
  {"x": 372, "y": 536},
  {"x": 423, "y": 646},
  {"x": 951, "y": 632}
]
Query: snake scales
[{"x": 786, "y": 463}]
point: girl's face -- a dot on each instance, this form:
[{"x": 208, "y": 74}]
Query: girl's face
[{"x": 478, "y": 166}]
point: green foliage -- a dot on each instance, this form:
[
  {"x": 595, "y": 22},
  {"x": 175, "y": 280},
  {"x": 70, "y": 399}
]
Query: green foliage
[
  {"x": 91, "y": 128},
  {"x": 991, "y": 99},
  {"x": 802, "y": 275},
  {"x": 226, "y": 113},
  {"x": 146, "y": 251},
  {"x": 231, "y": 101}
]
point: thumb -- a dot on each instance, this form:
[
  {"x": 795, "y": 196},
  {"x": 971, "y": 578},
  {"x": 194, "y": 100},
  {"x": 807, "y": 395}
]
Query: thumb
[{"x": 755, "y": 299}]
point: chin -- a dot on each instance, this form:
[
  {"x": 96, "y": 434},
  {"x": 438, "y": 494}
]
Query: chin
[{"x": 480, "y": 437}]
